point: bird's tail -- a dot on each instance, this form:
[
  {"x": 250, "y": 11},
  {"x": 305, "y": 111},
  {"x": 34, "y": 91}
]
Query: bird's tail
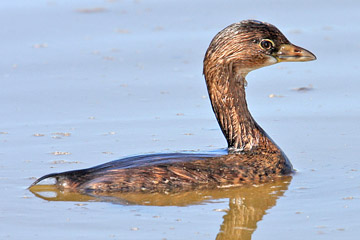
[
  {"x": 65, "y": 180},
  {"x": 56, "y": 176}
]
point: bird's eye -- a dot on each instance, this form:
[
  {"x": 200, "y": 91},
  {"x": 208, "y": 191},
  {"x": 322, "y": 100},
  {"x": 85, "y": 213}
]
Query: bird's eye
[{"x": 266, "y": 44}]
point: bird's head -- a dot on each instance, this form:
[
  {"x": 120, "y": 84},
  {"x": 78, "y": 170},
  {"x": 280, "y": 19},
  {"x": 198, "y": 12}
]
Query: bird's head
[{"x": 250, "y": 44}]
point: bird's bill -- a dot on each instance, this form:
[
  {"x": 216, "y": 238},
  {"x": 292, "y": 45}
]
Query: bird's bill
[{"x": 292, "y": 53}]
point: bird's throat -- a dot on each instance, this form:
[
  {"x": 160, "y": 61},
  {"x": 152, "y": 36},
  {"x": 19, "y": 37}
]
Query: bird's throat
[{"x": 228, "y": 100}]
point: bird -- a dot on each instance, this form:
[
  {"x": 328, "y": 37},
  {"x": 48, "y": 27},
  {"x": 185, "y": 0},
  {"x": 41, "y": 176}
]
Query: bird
[{"x": 252, "y": 157}]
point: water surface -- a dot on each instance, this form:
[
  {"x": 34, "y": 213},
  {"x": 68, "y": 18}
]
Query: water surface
[{"x": 85, "y": 82}]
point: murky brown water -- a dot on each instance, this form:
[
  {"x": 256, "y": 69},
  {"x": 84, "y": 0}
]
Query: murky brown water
[{"x": 85, "y": 82}]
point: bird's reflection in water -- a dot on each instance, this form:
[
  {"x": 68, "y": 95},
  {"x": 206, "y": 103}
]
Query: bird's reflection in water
[{"x": 247, "y": 204}]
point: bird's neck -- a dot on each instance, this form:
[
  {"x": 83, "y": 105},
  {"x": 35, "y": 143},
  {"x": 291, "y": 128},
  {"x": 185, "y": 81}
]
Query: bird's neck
[{"x": 227, "y": 95}]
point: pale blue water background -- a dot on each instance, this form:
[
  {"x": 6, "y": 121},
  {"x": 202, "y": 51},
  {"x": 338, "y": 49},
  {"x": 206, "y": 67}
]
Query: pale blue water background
[{"x": 134, "y": 70}]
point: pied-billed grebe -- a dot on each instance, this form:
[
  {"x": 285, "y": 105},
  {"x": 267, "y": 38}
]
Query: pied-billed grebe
[{"x": 252, "y": 156}]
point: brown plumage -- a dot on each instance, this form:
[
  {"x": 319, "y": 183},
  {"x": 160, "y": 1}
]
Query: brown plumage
[{"x": 252, "y": 156}]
